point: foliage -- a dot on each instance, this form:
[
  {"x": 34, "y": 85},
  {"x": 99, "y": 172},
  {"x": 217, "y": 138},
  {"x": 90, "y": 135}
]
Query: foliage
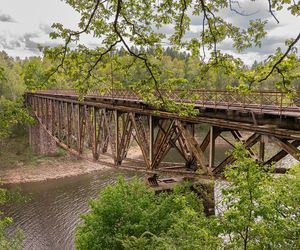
[
  {"x": 262, "y": 210},
  {"x": 190, "y": 230},
  {"x": 12, "y": 110},
  {"x": 137, "y": 28},
  {"x": 11, "y": 86},
  {"x": 128, "y": 215},
  {"x": 8, "y": 243},
  {"x": 11, "y": 114}
]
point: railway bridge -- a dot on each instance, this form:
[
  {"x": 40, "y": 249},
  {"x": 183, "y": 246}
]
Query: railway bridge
[{"x": 104, "y": 127}]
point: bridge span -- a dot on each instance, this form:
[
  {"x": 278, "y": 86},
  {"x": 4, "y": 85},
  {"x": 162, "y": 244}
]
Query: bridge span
[{"x": 102, "y": 125}]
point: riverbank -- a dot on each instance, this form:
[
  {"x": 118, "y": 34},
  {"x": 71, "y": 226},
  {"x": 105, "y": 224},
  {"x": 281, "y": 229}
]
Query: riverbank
[
  {"x": 19, "y": 165},
  {"x": 48, "y": 169}
]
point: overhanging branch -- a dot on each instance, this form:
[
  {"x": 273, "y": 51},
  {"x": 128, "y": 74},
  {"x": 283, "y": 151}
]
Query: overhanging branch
[{"x": 275, "y": 66}]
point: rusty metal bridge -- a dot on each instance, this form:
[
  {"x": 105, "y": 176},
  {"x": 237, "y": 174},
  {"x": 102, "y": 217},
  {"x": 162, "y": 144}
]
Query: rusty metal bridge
[{"x": 102, "y": 125}]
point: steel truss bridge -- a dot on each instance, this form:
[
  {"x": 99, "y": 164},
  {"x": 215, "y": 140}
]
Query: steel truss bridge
[{"x": 106, "y": 124}]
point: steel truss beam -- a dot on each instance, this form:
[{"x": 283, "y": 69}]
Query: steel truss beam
[{"x": 79, "y": 126}]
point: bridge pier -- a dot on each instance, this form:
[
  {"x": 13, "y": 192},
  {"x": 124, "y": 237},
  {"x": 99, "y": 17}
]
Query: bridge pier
[{"x": 40, "y": 141}]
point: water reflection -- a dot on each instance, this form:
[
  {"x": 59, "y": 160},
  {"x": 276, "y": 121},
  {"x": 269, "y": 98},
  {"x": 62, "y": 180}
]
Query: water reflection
[{"x": 49, "y": 219}]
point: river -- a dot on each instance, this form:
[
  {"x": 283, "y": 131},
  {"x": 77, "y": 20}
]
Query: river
[{"x": 49, "y": 219}]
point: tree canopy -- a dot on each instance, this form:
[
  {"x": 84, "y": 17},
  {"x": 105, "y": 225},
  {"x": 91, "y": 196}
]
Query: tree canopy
[
  {"x": 12, "y": 87},
  {"x": 123, "y": 23}
]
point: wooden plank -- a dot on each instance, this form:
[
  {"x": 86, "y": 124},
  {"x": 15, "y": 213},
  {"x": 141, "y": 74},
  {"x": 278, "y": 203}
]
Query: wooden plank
[
  {"x": 182, "y": 148},
  {"x": 59, "y": 120},
  {"x": 111, "y": 136},
  {"x": 117, "y": 131},
  {"x": 261, "y": 156},
  {"x": 162, "y": 123},
  {"x": 151, "y": 135},
  {"x": 173, "y": 141},
  {"x": 125, "y": 139},
  {"x": 94, "y": 134},
  {"x": 162, "y": 145},
  {"x": 69, "y": 125},
  {"x": 238, "y": 136},
  {"x": 53, "y": 117},
  {"x": 46, "y": 104},
  {"x": 104, "y": 138}
]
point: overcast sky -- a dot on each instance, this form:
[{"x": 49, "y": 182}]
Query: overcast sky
[{"x": 26, "y": 23}]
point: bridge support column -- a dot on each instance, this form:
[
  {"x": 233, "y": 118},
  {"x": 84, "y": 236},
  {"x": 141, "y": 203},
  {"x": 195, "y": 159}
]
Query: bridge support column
[
  {"x": 212, "y": 138},
  {"x": 151, "y": 134},
  {"x": 262, "y": 149},
  {"x": 40, "y": 141}
]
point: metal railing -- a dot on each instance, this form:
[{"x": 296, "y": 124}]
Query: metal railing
[{"x": 263, "y": 100}]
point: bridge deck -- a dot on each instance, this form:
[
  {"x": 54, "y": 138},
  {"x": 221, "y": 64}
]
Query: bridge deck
[{"x": 272, "y": 103}]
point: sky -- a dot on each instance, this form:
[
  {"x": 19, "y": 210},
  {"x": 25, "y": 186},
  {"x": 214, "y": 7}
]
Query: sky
[{"x": 25, "y": 24}]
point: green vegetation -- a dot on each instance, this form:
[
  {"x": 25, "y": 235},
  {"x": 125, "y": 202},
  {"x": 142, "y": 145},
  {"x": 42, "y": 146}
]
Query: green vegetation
[
  {"x": 16, "y": 152},
  {"x": 15, "y": 241},
  {"x": 137, "y": 28},
  {"x": 262, "y": 208},
  {"x": 12, "y": 110},
  {"x": 262, "y": 212},
  {"x": 130, "y": 215}
]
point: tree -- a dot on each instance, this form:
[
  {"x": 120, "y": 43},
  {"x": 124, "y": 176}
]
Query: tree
[
  {"x": 12, "y": 110},
  {"x": 125, "y": 23},
  {"x": 262, "y": 210},
  {"x": 190, "y": 230},
  {"x": 11, "y": 114},
  {"x": 131, "y": 216}
]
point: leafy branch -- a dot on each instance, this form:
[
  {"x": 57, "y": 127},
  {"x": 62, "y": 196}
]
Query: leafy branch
[
  {"x": 132, "y": 53},
  {"x": 275, "y": 66},
  {"x": 72, "y": 34}
]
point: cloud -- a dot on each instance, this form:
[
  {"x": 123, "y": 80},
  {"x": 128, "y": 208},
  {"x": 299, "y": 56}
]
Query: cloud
[
  {"x": 15, "y": 42},
  {"x": 29, "y": 44},
  {"x": 269, "y": 45},
  {"x": 6, "y": 18},
  {"x": 45, "y": 28},
  {"x": 9, "y": 44}
]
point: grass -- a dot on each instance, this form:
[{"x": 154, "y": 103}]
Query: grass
[{"x": 15, "y": 152}]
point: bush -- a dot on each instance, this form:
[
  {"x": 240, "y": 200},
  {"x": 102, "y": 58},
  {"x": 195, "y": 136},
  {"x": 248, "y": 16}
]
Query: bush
[
  {"x": 132, "y": 216},
  {"x": 15, "y": 241}
]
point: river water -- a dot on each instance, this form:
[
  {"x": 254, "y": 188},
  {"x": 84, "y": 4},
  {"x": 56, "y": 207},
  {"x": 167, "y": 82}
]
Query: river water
[{"x": 49, "y": 219}]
